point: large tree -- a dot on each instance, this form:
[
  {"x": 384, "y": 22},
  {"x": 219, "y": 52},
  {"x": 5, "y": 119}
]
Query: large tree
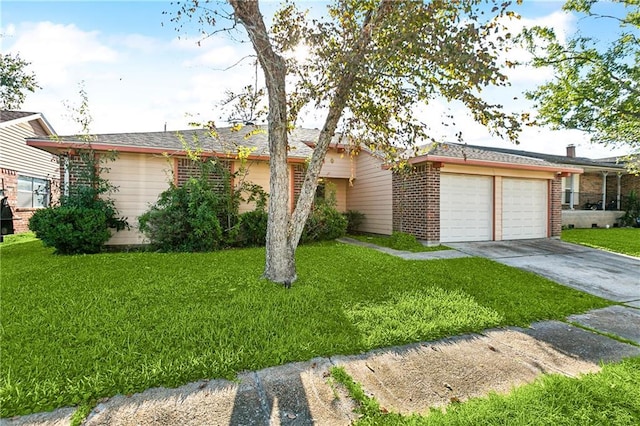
[
  {"x": 15, "y": 81},
  {"x": 596, "y": 83},
  {"x": 371, "y": 64}
]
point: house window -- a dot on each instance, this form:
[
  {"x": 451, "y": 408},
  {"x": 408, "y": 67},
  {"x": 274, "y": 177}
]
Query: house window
[{"x": 33, "y": 192}]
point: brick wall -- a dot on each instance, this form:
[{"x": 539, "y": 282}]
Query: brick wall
[
  {"x": 556, "y": 207},
  {"x": 630, "y": 183},
  {"x": 416, "y": 202},
  {"x": 591, "y": 183},
  {"x": 22, "y": 215},
  {"x": 299, "y": 171}
]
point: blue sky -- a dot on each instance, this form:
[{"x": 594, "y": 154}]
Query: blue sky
[{"x": 139, "y": 75}]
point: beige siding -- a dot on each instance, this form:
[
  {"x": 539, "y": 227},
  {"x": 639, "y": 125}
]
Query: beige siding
[
  {"x": 140, "y": 178},
  {"x": 257, "y": 173},
  {"x": 338, "y": 165},
  {"x": 26, "y": 160},
  {"x": 371, "y": 194},
  {"x": 340, "y": 187}
]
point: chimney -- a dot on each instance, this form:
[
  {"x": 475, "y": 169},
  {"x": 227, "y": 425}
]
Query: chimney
[{"x": 571, "y": 151}]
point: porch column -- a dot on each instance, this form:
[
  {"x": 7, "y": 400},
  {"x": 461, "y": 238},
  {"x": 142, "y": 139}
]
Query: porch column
[
  {"x": 618, "y": 195},
  {"x": 604, "y": 190},
  {"x": 570, "y": 180}
]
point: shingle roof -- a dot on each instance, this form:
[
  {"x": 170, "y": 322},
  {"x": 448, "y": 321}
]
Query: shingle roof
[
  {"x": 14, "y": 115},
  {"x": 225, "y": 141},
  {"x": 556, "y": 159},
  {"x": 469, "y": 152}
]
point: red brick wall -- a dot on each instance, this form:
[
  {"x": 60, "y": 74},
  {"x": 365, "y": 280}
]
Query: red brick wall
[
  {"x": 22, "y": 216},
  {"x": 416, "y": 202},
  {"x": 556, "y": 207},
  {"x": 299, "y": 171}
]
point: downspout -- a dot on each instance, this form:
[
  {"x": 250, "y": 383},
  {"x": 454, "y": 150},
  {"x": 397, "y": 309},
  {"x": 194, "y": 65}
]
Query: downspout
[{"x": 604, "y": 190}]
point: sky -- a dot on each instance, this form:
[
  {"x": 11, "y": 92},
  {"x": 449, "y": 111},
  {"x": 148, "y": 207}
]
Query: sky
[{"x": 141, "y": 75}]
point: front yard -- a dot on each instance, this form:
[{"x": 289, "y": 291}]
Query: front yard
[
  {"x": 77, "y": 328},
  {"x": 618, "y": 240}
]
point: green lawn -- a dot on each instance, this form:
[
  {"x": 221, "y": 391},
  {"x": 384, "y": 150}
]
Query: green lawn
[
  {"x": 610, "y": 397},
  {"x": 619, "y": 240},
  {"x": 77, "y": 328},
  {"x": 385, "y": 241}
]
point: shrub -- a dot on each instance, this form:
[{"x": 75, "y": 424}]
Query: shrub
[
  {"x": 402, "y": 241},
  {"x": 252, "y": 228},
  {"x": 81, "y": 222},
  {"x": 324, "y": 223},
  {"x": 71, "y": 229},
  {"x": 632, "y": 210},
  {"x": 354, "y": 220},
  {"x": 185, "y": 218}
]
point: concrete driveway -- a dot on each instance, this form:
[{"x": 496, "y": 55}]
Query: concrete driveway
[{"x": 612, "y": 276}]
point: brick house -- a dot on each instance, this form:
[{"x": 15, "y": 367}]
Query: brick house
[
  {"x": 594, "y": 198},
  {"x": 28, "y": 176},
  {"x": 455, "y": 192}
]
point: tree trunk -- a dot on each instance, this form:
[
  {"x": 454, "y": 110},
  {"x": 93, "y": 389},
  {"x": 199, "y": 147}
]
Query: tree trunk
[
  {"x": 280, "y": 264},
  {"x": 284, "y": 230}
]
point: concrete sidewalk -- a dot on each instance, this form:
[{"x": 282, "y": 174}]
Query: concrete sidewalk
[{"x": 406, "y": 379}]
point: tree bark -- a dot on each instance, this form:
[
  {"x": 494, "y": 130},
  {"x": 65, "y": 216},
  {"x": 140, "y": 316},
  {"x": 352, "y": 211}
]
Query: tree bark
[
  {"x": 280, "y": 257},
  {"x": 283, "y": 229}
]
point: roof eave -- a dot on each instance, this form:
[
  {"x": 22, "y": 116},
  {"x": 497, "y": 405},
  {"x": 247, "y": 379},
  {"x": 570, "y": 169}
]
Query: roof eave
[
  {"x": 59, "y": 147},
  {"x": 497, "y": 164},
  {"x": 36, "y": 116}
]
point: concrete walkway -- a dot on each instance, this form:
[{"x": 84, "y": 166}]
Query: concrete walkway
[{"x": 406, "y": 379}]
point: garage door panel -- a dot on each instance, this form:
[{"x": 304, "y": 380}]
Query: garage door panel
[
  {"x": 466, "y": 208},
  {"x": 524, "y": 208}
]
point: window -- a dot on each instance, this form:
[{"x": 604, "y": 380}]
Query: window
[{"x": 32, "y": 192}]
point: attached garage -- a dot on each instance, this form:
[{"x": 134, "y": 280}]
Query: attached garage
[
  {"x": 466, "y": 208},
  {"x": 524, "y": 208}
]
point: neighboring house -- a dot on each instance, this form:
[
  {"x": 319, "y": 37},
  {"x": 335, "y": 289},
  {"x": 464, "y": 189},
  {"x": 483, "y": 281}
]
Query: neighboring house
[
  {"x": 28, "y": 176},
  {"x": 456, "y": 192},
  {"x": 595, "y": 197}
]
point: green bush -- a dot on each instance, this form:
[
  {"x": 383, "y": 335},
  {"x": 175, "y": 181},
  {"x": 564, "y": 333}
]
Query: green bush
[
  {"x": 324, "y": 223},
  {"x": 81, "y": 222},
  {"x": 354, "y": 220},
  {"x": 252, "y": 228},
  {"x": 185, "y": 218},
  {"x": 631, "y": 206},
  {"x": 71, "y": 229},
  {"x": 402, "y": 241}
]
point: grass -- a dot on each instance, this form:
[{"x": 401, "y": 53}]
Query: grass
[
  {"x": 25, "y": 237},
  {"x": 78, "y": 328},
  {"x": 386, "y": 241},
  {"x": 609, "y": 397},
  {"x": 618, "y": 240}
]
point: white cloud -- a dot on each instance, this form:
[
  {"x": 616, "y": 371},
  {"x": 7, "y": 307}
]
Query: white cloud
[{"x": 56, "y": 50}]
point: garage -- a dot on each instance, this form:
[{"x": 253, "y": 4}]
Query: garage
[
  {"x": 466, "y": 208},
  {"x": 524, "y": 208}
]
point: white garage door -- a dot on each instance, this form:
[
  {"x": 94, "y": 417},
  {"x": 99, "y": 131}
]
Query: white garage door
[
  {"x": 524, "y": 208},
  {"x": 466, "y": 208}
]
